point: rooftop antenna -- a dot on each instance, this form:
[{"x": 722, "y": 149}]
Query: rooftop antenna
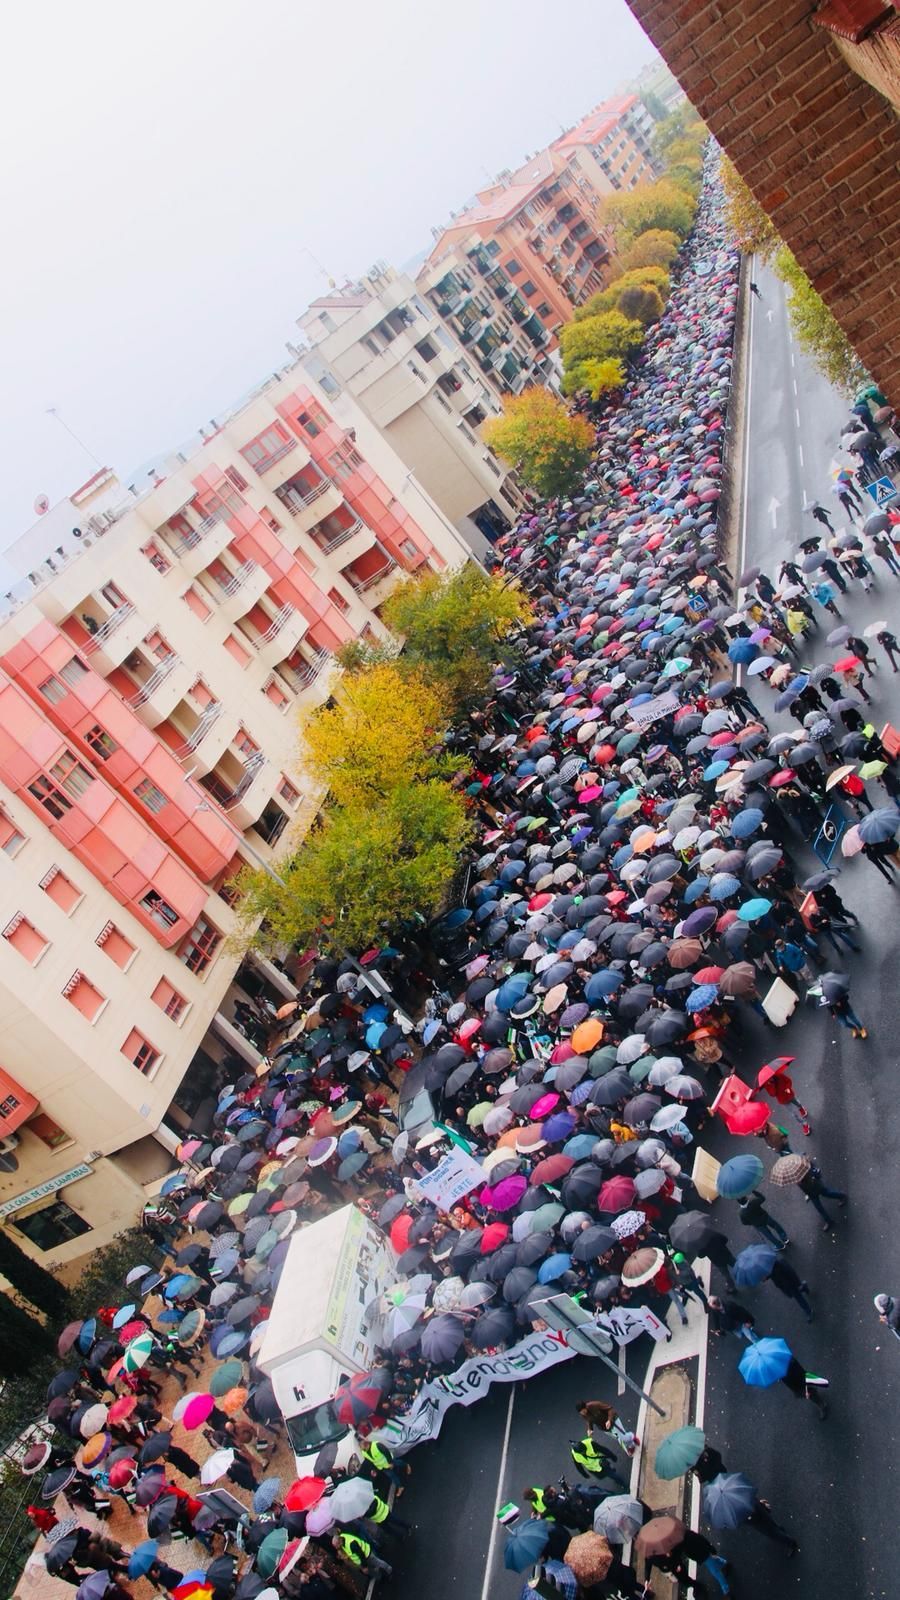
[
  {"x": 331, "y": 282},
  {"x": 53, "y": 412}
]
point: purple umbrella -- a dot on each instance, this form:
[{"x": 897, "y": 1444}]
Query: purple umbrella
[{"x": 506, "y": 1194}]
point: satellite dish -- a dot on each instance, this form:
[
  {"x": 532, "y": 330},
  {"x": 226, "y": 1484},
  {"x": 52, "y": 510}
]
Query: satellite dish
[{"x": 41, "y": 504}]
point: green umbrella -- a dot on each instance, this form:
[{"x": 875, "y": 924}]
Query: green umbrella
[
  {"x": 137, "y": 1353},
  {"x": 679, "y": 1452},
  {"x": 544, "y": 1218},
  {"x": 270, "y": 1552},
  {"x": 478, "y": 1113},
  {"x": 226, "y": 1377},
  {"x": 239, "y": 1204}
]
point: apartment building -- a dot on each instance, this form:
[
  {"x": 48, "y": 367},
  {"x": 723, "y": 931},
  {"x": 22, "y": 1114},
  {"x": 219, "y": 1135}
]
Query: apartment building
[
  {"x": 380, "y": 342},
  {"x": 154, "y": 660},
  {"x": 615, "y": 138}
]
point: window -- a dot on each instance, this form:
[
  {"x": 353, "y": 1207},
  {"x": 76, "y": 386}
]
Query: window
[
  {"x": 140, "y": 1052},
  {"x": 151, "y": 796},
  {"x": 159, "y": 910},
  {"x": 61, "y": 891},
  {"x": 543, "y": 309},
  {"x": 266, "y": 447},
  {"x": 513, "y": 268},
  {"x": 102, "y": 743},
  {"x": 234, "y": 477},
  {"x": 272, "y": 823},
  {"x": 244, "y": 743},
  {"x": 24, "y": 937},
  {"x": 52, "y": 799},
  {"x": 49, "y": 1132},
  {"x": 113, "y": 596},
  {"x": 200, "y": 946},
  {"x": 52, "y": 1226},
  {"x": 409, "y": 549},
  {"x": 195, "y": 602},
  {"x": 222, "y": 502},
  {"x": 288, "y": 793},
  {"x": 155, "y": 557},
  {"x": 169, "y": 1000},
  {"x": 81, "y": 994},
  {"x": 71, "y": 776},
  {"x": 337, "y": 599},
  {"x": 157, "y": 646},
  {"x": 313, "y": 420},
  {"x": 528, "y": 287},
  {"x": 277, "y": 695},
  {"x": 11, "y": 840},
  {"x": 115, "y": 945},
  {"x": 202, "y": 694},
  {"x": 73, "y": 671},
  {"x": 492, "y": 247},
  {"x": 236, "y": 651},
  {"x": 53, "y": 689}
]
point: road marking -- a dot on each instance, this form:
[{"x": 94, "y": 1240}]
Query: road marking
[
  {"x": 797, "y": 415},
  {"x": 794, "y": 382},
  {"x": 800, "y": 453},
  {"x": 793, "y": 363},
  {"x": 773, "y": 508},
  {"x": 485, "y": 1587},
  {"x": 620, "y": 1386}
]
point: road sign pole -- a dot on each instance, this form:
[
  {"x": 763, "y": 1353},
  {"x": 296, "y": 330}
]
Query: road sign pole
[{"x": 565, "y": 1315}]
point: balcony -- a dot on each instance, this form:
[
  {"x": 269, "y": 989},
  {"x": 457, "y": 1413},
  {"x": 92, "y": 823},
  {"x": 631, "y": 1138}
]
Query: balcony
[
  {"x": 199, "y": 548},
  {"x": 208, "y": 740},
  {"x": 349, "y": 544},
  {"x": 160, "y": 693},
  {"x": 114, "y": 639},
  {"x": 282, "y": 636},
  {"x": 281, "y": 464},
  {"x": 304, "y": 679},
  {"x": 309, "y": 508},
  {"x": 253, "y": 791},
  {"x": 242, "y": 591},
  {"x": 373, "y": 580}
]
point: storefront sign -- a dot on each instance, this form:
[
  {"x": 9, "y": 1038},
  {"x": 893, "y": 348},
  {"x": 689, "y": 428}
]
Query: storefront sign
[
  {"x": 40, "y": 1190},
  {"x": 454, "y": 1177}
]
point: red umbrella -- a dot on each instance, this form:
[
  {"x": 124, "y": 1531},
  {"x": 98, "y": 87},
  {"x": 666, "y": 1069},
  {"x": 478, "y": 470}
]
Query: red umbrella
[
  {"x": 495, "y": 1234},
  {"x": 303, "y": 1493},
  {"x": 551, "y": 1169},
  {"x": 616, "y": 1194},
  {"x": 120, "y": 1409},
  {"x": 847, "y": 664},
  {"x": 362, "y": 1395},
  {"x": 751, "y": 1117},
  {"x": 400, "y": 1232},
  {"x": 766, "y": 1074},
  {"x": 708, "y": 974}
]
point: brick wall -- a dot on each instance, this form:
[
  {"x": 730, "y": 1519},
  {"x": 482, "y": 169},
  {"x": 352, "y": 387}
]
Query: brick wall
[{"x": 819, "y": 147}]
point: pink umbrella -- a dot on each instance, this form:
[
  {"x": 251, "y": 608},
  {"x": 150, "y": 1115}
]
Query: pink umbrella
[
  {"x": 505, "y": 1194},
  {"x": 616, "y": 1193},
  {"x": 198, "y": 1408},
  {"x": 543, "y": 1107},
  {"x": 469, "y": 1028},
  {"x": 592, "y": 792},
  {"x": 851, "y": 844}
]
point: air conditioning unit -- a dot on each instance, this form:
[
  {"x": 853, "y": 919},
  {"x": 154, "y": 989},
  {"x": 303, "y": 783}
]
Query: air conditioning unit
[{"x": 9, "y": 1144}]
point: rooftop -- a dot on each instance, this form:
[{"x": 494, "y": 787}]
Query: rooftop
[{"x": 597, "y": 124}]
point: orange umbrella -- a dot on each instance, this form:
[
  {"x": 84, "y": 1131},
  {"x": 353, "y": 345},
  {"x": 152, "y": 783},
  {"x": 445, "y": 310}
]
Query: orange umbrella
[
  {"x": 234, "y": 1400},
  {"x": 587, "y": 1035}
]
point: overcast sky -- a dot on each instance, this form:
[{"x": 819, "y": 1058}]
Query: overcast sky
[{"x": 165, "y": 169}]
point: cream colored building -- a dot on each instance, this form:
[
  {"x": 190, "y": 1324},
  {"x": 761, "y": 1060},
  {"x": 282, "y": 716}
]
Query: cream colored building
[
  {"x": 154, "y": 661},
  {"x": 379, "y": 342}
]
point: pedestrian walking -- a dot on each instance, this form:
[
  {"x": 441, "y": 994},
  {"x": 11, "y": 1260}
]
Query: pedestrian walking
[
  {"x": 594, "y": 1461},
  {"x": 777, "y": 1138},
  {"x": 841, "y": 1009},
  {"x": 780, "y": 1087},
  {"x": 888, "y": 1308},
  {"x": 816, "y": 1190},
  {"x": 890, "y": 645},
  {"x": 884, "y": 548},
  {"x": 763, "y": 1521},
  {"x": 806, "y": 1386},
  {"x": 356, "y": 1551},
  {"x": 599, "y": 1414},
  {"x": 787, "y": 1279},
  {"x": 754, "y": 289},
  {"x": 729, "y": 1316},
  {"x": 720, "y": 1253},
  {"x": 883, "y": 859},
  {"x": 821, "y": 515},
  {"x": 753, "y": 1214}
]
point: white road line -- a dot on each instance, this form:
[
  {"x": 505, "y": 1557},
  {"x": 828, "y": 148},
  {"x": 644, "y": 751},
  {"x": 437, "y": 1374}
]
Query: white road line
[
  {"x": 794, "y": 382},
  {"x": 793, "y": 363},
  {"x": 620, "y": 1386},
  {"x": 485, "y": 1587},
  {"x": 797, "y": 415},
  {"x": 800, "y": 453}
]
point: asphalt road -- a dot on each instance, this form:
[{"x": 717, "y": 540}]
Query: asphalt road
[{"x": 830, "y": 1483}]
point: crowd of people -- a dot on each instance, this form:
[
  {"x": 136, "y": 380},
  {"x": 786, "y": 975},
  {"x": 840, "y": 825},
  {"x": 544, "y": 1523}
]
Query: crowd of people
[{"x": 641, "y": 886}]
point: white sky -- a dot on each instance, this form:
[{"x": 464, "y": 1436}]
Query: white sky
[{"x": 165, "y": 167}]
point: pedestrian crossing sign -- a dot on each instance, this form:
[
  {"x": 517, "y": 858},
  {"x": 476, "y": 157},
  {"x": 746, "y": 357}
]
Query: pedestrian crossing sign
[{"x": 882, "y": 490}]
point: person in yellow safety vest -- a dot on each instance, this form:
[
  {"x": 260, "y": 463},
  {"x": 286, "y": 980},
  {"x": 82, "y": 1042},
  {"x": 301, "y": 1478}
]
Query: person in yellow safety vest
[
  {"x": 381, "y": 1460},
  {"x": 381, "y": 1515},
  {"x": 540, "y": 1503},
  {"x": 594, "y": 1461},
  {"x": 357, "y": 1552}
]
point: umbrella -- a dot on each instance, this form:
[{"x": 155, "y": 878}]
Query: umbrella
[
  {"x": 754, "y": 1264},
  {"x": 589, "y": 1556},
  {"x": 765, "y": 1362},
  {"x": 442, "y": 1339},
  {"x": 660, "y": 1535},
  {"x": 142, "y": 1558},
  {"x": 679, "y": 1452},
  {"x": 216, "y": 1465},
  {"x": 361, "y": 1396},
  {"x": 642, "y": 1266},
  {"x": 691, "y": 1232},
  {"x": 728, "y": 1500},
  {"x": 737, "y": 1177},
  {"x": 266, "y": 1494},
  {"x": 618, "y": 1518},
  {"x": 304, "y": 1492},
  {"x": 789, "y": 1170},
  {"x": 270, "y": 1552},
  {"x": 878, "y": 826},
  {"x": 351, "y": 1499},
  {"x": 526, "y": 1544}
]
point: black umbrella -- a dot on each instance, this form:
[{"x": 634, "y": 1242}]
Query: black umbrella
[
  {"x": 161, "y": 1516},
  {"x": 691, "y": 1232},
  {"x": 582, "y": 1186},
  {"x": 616, "y": 1085},
  {"x": 593, "y": 1242},
  {"x": 153, "y": 1447}
]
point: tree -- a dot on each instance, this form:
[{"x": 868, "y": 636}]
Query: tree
[
  {"x": 594, "y": 338},
  {"x": 754, "y": 232},
  {"x": 537, "y": 435},
  {"x": 817, "y": 330},
  {"x": 684, "y": 164},
  {"x": 651, "y": 205},
  {"x": 681, "y": 124},
  {"x": 31, "y": 1280},
  {"x": 362, "y": 873},
  {"x": 596, "y": 377},
  {"x": 608, "y": 299},
  {"x": 384, "y": 729},
  {"x": 641, "y": 303},
  {"x": 456, "y": 626},
  {"x": 22, "y": 1338},
  {"x": 654, "y": 248}
]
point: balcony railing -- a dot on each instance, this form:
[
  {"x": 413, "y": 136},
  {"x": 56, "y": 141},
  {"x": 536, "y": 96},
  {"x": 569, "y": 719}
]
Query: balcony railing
[
  {"x": 232, "y": 585},
  {"x": 149, "y": 687},
  {"x": 310, "y": 672},
  {"x": 341, "y": 538},
  {"x": 276, "y": 455},
  {"x": 362, "y": 584},
  {"x": 98, "y": 639},
  {"x": 278, "y": 622},
  {"x": 210, "y": 716},
  {"x": 191, "y": 540}
]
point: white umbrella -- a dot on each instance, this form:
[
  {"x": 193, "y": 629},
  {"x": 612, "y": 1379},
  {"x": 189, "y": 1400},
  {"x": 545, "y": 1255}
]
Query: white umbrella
[
  {"x": 216, "y": 1465},
  {"x": 351, "y": 1499}
]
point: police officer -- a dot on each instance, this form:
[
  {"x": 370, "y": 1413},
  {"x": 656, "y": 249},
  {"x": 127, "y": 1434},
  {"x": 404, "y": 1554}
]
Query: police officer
[
  {"x": 594, "y": 1461},
  {"x": 358, "y": 1552}
]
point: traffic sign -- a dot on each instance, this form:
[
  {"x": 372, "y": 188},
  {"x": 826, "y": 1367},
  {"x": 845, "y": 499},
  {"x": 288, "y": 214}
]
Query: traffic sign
[
  {"x": 829, "y": 835},
  {"x": 882, "y": 490}
]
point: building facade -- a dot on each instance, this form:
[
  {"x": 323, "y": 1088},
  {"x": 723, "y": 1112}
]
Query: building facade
[
  {"x": 154, "y": 661},
  {"x": 804, "y": 99},
  {"x": 380, "y": 342}
]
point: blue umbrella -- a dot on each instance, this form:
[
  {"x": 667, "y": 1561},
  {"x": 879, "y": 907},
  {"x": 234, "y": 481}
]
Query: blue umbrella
[
  {"x": 601, "y": 985},
  {"x": 753, "y": 1264},
  {"x": 123, "y": 1315},
  {"x": 176, "y": 1181},
  {"x": 695, "y": 890},
  {"x": 765, "y": 1362},
  {"x": 377, "y": 1012},
  {"x": 373, "y": 1034},
  {"x": 746, "y": 822},
  {"x": 562, "y": 1576},
  {"x": 737, "y": 1177},
  {"x": 580, "y": 1146},
  {"x": 879, "y": 826},
  {"x": 752, "y": 910},
  {"x": 715, "y": 770},
  {"x": 701, "y": 997},
  {"x": 142, "y": 1558},
  {"x": 554, "y": 1267},
  {"x": 526, "y": 1544},
  {"x": 512, "y": 990},
  {"x": 728, "y": 1500},
  {"x": 742, "y": 651},
  {"x": 724, "y": 886}
]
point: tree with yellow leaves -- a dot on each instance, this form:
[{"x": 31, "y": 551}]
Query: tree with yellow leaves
[
  {"x": 386, "y": 727},
  {"x": 753, "y": 231},
  {"x": 537, "y": 435}
]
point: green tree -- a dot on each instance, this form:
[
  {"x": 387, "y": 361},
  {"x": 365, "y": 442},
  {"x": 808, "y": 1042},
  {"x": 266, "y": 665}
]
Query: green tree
[
  {"x": 681, "y": 124},
  {"x": 651, "y": 205},
  {"x": 609, "y": 336},
  {"x": 753, "y": 231},
  {"x": 31, "y": 1280},
  {"x": 456, "y": 627},
  {"x": 609, "y": 299},
  {"x": 362, "y": 873},
  {"x": 536, "y": 434},
  {"x": 654, "y": 248},
  {"x": 385, "y": 728},
  {"x": 597, "y": 378},
  {"x": 817, "y": 330},
  {"x": 23, "y": 1339},
  {"x": 641, "y": 303}
]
